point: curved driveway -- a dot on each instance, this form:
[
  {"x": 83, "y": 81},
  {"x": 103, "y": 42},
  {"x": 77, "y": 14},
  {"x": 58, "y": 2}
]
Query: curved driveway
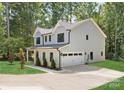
[{"x": 74, "y": 78}]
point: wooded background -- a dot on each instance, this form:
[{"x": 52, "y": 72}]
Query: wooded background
[{"x": 25, "y": 17}]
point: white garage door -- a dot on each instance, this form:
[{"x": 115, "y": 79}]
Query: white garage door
[{"x": 70, "y": 59}]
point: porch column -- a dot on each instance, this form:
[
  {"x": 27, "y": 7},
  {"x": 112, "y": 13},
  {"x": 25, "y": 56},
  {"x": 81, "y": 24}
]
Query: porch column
[{"x": 27, "y": 56}]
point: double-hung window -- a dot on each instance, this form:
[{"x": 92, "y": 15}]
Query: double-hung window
[
  {"x": 38, "y": 40},
  {"x": 60, "y": 37}
]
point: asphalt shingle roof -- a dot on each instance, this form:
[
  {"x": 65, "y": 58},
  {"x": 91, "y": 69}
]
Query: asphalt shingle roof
[{"x": 54, "y": 46}]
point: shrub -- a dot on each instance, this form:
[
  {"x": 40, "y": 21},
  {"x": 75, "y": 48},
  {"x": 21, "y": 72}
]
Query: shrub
[
  {"x": 22, "y": 58},
  {"x": 44, "y": 62},
  {"x": 53, "y": 64},
  {"x": 37, "y": 60}
]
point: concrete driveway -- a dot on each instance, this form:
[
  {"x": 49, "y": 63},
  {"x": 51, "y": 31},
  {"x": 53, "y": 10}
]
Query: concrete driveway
[{"x": 74, "y": 78}]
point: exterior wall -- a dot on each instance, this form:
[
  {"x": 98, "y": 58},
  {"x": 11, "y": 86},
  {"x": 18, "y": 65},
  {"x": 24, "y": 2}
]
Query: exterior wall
[
  {"x": 78, "y": 42},
  {"x": 58, "y": 30},
  {"x": 47, "y": 53}
]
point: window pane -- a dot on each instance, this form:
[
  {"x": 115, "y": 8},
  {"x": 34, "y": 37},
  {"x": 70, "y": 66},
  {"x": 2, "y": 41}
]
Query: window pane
[
  {"x": 64, "y": 54},
  {"x": 87, "y": 37},
  {"x": 60, "y": 37},
  {"x": 70, "y": 54},
  {"x": 80, "y": 54},
  {"x": 75, "y": 54},
  {"x": 38, "y": 40},
  {"x": 45, "y": 38},
  {"x": 49, "y": 37}
]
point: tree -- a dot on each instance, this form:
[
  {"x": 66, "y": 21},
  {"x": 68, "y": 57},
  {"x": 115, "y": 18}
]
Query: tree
[
  {"x": 113, "y": 26},
  {"x": 85, "y": 10},
  {"x": 22, "y": 58}
]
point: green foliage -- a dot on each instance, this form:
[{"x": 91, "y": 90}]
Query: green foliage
[
  {"x": 5, "y": 68},
  {"x": 53, "y": 64},
  {"x": 113, "y": 27},
  {"x": 12, "y": 43},
  {"x": 114, "y": 85},
  {"x": 44, "y": 62},
  {"x": 110, "y": 64},
  {"x": 37, "y": 60},
  {"x": 85, "y": 10},
  {"x": 22, "y": 57}
]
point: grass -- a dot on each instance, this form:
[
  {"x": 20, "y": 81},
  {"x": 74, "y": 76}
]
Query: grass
[
  {"x": 6, "y": 68},
  {"x": 117, "y": 84},
  {"x": 115, "y": 65}
]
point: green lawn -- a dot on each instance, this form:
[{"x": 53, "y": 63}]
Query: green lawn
[
  {"x": 115, "y": 65},
  {"x": 6, "y": 68},
  {"x": 117, "y": 84}
]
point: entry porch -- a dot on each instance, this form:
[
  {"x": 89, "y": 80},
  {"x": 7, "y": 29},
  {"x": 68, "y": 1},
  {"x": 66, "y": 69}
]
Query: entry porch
[{"x": 44, "y": 57}]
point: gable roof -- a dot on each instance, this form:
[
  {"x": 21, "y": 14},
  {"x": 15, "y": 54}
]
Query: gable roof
[
  {"x": 67, "y": 25},
  {"x": 90, "y": 19},
  {"x": 42, "y": 31}
]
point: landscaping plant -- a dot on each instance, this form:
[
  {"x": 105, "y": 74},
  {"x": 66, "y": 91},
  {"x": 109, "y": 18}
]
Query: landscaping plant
[
  {"x": 44, "y": 62},
  {"x": 22, "y": 58},
  {"x": 53, "y": 64},
  {"x": 37, "y": 60},
  {"x": 10, "y": 56}
]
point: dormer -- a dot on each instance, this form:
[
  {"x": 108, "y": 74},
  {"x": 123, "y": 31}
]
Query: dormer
[
  {"x": 57, "y": 35},
  {"x": 37, "y": 37}
]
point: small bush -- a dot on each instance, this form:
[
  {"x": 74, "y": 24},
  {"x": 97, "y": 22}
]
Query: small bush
[
  {"x": 44, "y": 62},
  {"x": 37, "y": 60},
  {"x": 53, "y": 64}
]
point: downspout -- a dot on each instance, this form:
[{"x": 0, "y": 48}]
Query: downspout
[
  {"x": 69, "y": 36},
  {"x": 69, "y": 31},
  {"x": 60, "y": 68}
]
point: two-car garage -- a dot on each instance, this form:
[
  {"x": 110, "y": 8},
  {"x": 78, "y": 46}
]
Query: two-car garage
[{"x": 69, "y": 59}]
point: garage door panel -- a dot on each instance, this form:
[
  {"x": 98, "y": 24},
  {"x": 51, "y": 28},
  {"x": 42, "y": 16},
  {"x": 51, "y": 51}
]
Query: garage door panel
[{"x": 72, "y": 60}]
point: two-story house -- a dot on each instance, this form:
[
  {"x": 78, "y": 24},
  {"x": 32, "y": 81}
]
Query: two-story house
[{"x": 70, "y": 43}]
